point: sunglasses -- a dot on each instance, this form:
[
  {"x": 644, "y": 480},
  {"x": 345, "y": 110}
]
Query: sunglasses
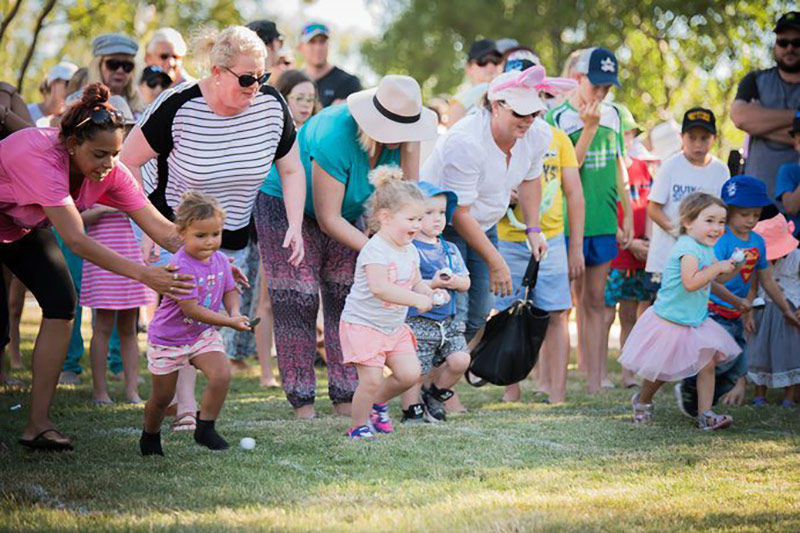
[
  {"x": 784, "y": 43},
  {"x": 485, "y": 60},
  {"x": 116, "y": 64},
  {"x": 246, "y": 80},
  {"x": 158, "y": 82},
  {"x": 164, "y": 57},
  {"x": 102, "y": 115},
  {"x": 517, "y": 115}
]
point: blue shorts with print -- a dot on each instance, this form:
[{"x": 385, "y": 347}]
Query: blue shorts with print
[
  {"x": 626, "y": 284},
  {"x": 599, "y": 249}
]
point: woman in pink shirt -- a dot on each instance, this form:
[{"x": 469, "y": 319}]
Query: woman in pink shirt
[{"x": 48, "y": 176}]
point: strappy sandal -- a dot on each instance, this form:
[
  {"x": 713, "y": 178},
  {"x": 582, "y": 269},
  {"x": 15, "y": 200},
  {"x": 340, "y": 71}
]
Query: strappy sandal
[
  {"x": 184, "y": 422},
  {"x": 42, "y": 443},
  {"x": 711, "y": 421},
  {"x": 642, "y": 412}
]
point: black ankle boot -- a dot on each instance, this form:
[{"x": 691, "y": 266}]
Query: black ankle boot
[
  {"x": 207, "y": 435},
  {"x": 150, "y": 444}
]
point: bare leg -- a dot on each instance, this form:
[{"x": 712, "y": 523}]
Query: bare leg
[
  {"x": 370, "y": 379},
  {"x": 451, "y": 371},
  {"x": 98, "y": 353},
  {"x": 577, "y": 291},
  {"x": 160, "y": 397},
  {"x": 218, "y": 373},
  {"x": 594, "y": 334},
  {"x": 609, "y": 315},
  {"x": 761, "y": 391},
  {"x": 789, "y": 393},
  {"x": 264, "y": 334},
  {"x": 555, "y": 355},
  {"x": 48, "y": 356},
  {"x": 512, "y": 393},
  {"x": 129, "y": 349},
  {"x": 628, "y": 313},
  {"x": 16, "y": 304},
  {"x": 705, "y": 387},
  {"x": 405, "y": 374},
  {"x": 411, "y": 396},
  {"x": 649, "y": 388}
]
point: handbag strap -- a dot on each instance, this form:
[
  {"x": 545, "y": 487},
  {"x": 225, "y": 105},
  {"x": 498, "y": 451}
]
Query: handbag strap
[{"x": 531, "y": 275}]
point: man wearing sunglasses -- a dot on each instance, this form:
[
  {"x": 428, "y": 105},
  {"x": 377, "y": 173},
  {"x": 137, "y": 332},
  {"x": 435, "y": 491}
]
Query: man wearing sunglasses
[
  {"x": 334, "y": 85},
  {"x": 483, "y": 64},
  {"x": 765, "y": 105},
  {"x": 166, "y": 49}
]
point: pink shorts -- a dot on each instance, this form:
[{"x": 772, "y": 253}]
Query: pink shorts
[
  {"x": 363, "y": 345},
  {"x": 163, "y": 360}
]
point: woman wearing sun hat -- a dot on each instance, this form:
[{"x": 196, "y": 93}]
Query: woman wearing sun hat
[
  {"x": 338, "y": 147},
  {"x": 484, "y": 158}
]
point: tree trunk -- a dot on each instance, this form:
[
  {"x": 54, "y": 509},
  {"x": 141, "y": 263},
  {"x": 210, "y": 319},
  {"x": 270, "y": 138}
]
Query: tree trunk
[
  {"x": 36, "y": 31},
  {"x": 7, "y": 20}
]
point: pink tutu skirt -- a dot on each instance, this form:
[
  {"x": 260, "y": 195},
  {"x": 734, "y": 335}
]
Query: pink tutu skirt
[{"x": 660, "y": 350}]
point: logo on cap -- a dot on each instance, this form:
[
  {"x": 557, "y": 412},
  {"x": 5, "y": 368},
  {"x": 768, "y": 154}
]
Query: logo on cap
[
  {"x": 731, "y": 190},
  {"x": 699, "y": 115},
  {"x": 607, "y": 65}
]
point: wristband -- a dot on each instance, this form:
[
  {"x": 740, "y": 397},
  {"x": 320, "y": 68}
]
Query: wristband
[{"x": 533, "y": 229}]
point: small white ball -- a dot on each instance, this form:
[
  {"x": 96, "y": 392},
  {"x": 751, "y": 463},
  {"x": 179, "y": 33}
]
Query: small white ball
[
  {"x": 738, "y": 256},
  {"x": 248, "y": 443},
  {"x": 439, "y": 299},
  {"x": 759, "y": 302}
]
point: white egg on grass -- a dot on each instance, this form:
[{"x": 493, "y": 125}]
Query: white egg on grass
[{"x": 247, "y": 443}]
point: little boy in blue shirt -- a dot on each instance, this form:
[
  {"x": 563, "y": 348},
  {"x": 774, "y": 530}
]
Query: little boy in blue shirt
[
  {"x": 440, "y": 337},
  {"x": 730, "y": 303}
]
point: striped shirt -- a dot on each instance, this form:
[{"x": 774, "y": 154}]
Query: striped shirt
[{"x": 224, "y": 157}]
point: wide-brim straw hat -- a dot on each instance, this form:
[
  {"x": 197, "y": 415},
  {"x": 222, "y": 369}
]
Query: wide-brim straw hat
[{"x": 393, "y": 111}]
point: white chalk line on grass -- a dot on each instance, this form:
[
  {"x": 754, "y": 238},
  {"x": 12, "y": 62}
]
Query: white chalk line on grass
[{"x": 37, "y": 494}]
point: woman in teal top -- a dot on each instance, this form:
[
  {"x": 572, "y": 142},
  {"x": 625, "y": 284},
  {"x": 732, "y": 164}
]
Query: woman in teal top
[{"x": 338, "y": 148}]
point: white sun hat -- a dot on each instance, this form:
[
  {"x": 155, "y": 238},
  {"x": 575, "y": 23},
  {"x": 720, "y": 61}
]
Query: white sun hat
[{"x": 393, "y": 111}]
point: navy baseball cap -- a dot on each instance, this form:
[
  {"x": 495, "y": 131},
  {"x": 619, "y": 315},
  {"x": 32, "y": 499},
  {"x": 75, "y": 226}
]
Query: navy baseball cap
[
  {"x": 430, "y": 190},
  {"x": 600, "y": 65},
  {"x": 790, "y": 20},
  {"x": 745, "y": 191}
]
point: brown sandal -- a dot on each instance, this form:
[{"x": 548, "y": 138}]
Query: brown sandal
[
  {"x": 184, "y": 422},
  {"x": 40, "y": 442}
]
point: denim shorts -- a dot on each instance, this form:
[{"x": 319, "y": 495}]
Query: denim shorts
[{"x": 552, "y": 287}]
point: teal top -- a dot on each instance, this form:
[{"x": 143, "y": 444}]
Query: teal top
[
  {"x": 331, "y": 139},
  {"x": 674, "y": 302}
]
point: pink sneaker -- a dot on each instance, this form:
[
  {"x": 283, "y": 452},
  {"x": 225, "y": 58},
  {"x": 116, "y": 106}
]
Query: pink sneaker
[{"x": 379, "y": 421}]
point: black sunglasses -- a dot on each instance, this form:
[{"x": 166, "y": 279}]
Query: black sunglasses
[
  {"x": 485, "y": 60},
  {"x": 116, "y": 64},
  {"x": 517, "y": 115},
  {"x": 102, "y": 115},
  {"x": 246, "y": 80},
  {"x": 158, "y": 82},
  {"x": 784, "y": 43}
]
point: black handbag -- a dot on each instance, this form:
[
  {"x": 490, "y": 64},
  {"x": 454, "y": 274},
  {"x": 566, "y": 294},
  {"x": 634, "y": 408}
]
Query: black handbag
[{"x": 510, "y": 345}]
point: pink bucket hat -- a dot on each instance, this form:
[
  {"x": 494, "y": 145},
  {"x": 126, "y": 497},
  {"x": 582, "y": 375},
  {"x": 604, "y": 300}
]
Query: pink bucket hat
[{"x": 777, "y": 234}]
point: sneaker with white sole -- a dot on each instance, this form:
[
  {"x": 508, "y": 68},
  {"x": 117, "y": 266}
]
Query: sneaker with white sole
[
  {"x": 379, "y": 421},
  {"x": 414, "y": 415},
  {"x": 360, "y": 433}
]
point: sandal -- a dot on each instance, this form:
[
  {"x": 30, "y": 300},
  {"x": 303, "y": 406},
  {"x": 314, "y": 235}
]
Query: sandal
[
  {"x": 184, "y": 422},
  {"x": 711, "y": 421},
  {"x": 759, "y": 401},
  {"x": 40, "y": 442},
  {"x": 642, "y": 412}
]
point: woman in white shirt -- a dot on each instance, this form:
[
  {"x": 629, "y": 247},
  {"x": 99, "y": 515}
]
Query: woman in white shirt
[{"x": 484, "y": 159}]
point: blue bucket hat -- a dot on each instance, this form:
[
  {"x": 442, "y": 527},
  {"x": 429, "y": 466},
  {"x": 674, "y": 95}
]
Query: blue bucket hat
[
  {"x": 745, "y": 191},
  {"x": 430, "y": 190}
]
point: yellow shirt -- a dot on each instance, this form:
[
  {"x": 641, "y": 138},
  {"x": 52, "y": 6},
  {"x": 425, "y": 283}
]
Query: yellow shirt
[{"x": 560, "y": 154}]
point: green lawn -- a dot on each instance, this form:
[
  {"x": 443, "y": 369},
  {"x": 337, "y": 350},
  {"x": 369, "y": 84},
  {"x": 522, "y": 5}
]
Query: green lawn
[{"x": 581, "y": 466}]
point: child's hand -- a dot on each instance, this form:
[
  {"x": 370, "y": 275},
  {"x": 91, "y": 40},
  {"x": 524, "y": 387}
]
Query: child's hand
[
  {"x": 424, "y": 303},
  {"x": 590, "y": 115},
  {"x": 736, "y": 395},
  {"x": 793, "y": 318},
  {"x": 239, "y": 323},
  {"x": 443, "y": 279},
  {"x": 726, "y": 266},
  {"x": 749, "y": 323},
  {"x": 639, "y": 248},
  {"x": 743, "y": 305},
  {"x": 440, "y": 297}
]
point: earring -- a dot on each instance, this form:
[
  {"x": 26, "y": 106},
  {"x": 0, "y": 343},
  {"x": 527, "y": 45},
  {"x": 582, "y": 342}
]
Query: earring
[{"x": 71, "y": 152}]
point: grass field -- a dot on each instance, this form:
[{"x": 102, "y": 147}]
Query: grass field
[{"x": 581, "y": 466}]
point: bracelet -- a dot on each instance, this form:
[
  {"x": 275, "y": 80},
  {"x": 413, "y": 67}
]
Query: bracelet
[{"x": 533, "y": 229}]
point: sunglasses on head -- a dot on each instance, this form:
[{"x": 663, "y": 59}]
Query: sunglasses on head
[
  {"x": 246, "y": 80},
  {"x": 485, "y": 60},
  {"x": 784, "y": 43},
  {"x": 116, "y": 64},
  {"x": 517, "y": 115},
  {"x": 164, "y": 57},
  {"x": 102, "y": 115}
]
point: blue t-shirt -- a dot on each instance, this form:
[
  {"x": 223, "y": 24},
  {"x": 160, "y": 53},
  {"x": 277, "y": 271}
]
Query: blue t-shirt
[
  {"x": 674, "y": 302},
  {"x": 432, "y": 258},
  {"x": 755, "y": 251},
  {"x": 788, "y": 181},
  {"x": 331, "y": 139}
]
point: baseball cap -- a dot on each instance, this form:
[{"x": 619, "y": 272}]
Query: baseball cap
[
  {"x": 481, "y": 49},
  {"x": 520, "y": 58},
  {"x": 699, "y": 117},
  {"x": 505, "y": 44},
  {"x": 312, "y": 29},
  {"x": 795, "y": 123},
  {"x": 787, "y": 21},
  {"x": 600, "y": 65},
  {"x": 156, "y": 75},
  {"x": 745, "y": 191},
  {"x": 62, "y": 71},
  {"x": 114, "y": 43},
  {"x": 266, "y": 30}
]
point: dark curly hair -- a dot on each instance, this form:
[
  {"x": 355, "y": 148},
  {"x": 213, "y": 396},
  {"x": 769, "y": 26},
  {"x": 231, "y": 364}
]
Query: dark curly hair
[{"x": 74, "y": 122}]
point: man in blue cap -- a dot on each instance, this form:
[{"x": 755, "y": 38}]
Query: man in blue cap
[
  {"x": 334, "y": 85},
  {"x": 765, "y": 104},
  {"x": 595, "y": 129},
  {"x": 729, "y": 306}
]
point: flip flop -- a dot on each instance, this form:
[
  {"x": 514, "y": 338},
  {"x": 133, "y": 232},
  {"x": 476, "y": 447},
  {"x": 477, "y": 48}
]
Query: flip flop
[
  {"x": 99, "y": 403},
  {"x": 40, "y": 442}
]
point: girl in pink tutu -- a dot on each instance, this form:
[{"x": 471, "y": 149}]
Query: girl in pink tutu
[{"x": 675, "y": 338}]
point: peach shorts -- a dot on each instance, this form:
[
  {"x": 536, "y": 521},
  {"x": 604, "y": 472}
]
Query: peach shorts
[
  {"x": 363, "y": 345},
  {"x": 163, "y": 360}
]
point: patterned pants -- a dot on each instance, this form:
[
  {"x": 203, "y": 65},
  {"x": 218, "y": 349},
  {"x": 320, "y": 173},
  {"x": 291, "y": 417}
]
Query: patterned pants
[
  {"x": 327, "y": 269},
  {"x": 241, "y": 344}
]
